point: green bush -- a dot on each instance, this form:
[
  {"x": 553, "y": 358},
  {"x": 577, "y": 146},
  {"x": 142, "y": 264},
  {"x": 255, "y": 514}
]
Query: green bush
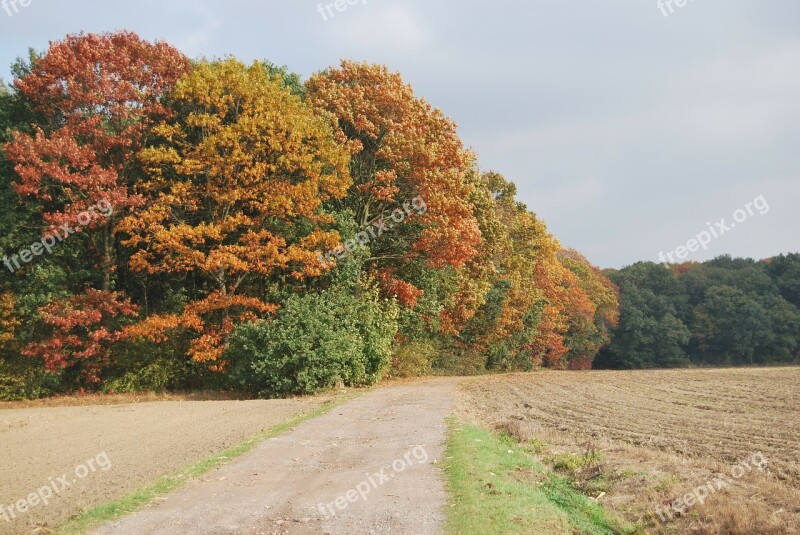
[
  {"x": 142, "y": 365},
  {"x": 315, "y": 342},
  {"x": 413, "y": 359},
  {"x": 156, "y": 376},
  {"x": 24, "y": 378}
]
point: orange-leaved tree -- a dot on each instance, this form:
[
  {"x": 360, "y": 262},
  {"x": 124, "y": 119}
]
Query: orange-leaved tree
[
  {"x": 402, "y": 148},
  {"x": 236, "y": 186},
  {"x": 98, "y": 96},
  {"x": 520, "y": 246},
  {"x": 594, "y": 311}
]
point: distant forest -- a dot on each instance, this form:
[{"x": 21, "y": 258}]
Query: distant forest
[{"x": 727, "y": 311}]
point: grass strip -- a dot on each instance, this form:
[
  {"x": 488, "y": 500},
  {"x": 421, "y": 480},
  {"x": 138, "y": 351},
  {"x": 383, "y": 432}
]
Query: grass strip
[{"x": 498, "y": 486}]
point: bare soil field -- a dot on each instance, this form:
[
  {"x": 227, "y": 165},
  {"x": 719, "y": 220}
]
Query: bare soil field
[
  {"x": 127, "y": 444},
  {"x": 640, "y": 440}
]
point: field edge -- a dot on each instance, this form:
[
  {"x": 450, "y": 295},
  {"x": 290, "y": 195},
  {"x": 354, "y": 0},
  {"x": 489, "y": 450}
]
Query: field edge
[
  {"x": 498, "y": 485},
  {"x": 103, "y": 513}
]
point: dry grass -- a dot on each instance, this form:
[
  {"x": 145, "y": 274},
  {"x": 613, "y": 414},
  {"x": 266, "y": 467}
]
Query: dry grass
[{"x": 655, "y": 436}]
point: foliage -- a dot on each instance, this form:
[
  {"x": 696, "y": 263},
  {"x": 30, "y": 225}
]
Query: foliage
[
  {"x": 413, "y": 358},
  {"x": 402, "y": 148},
  {"x": 98, "y": 95},
  {"x": 235, "y": 187},
  {"x": 80, "y": 332},
  {"x": 229, "y": 183},
  {"x": 722, "y": 312},
  {"x": 317, "y": 341},
  {"x": 142, "y": 365}
]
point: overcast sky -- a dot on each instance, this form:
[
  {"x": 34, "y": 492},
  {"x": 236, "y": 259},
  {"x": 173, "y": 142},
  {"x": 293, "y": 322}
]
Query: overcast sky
[{"x": 626, "y": 130}]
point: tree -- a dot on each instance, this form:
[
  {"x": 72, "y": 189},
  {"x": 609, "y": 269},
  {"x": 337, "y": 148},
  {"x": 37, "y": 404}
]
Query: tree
[
  {"x": 401, "y": 148},
  {"x": 82, "y": 332},
  {"x": 236, "y": 186},
  {"x": 782, "y": 342},
  {"x": 649, "y": 333},
  {"x": 98, "y": 96},
  {"x": 785, "y": 272},
  {"x": 729, "y": 326},
  {"x": 591, "y": 317}
]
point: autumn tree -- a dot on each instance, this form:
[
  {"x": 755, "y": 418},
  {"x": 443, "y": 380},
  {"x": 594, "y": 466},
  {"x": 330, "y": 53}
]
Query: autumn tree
[
  {"x": 81, "y": 332},
  {"x": 235, "y": 184},
  {"x": 401, "y": 148},
  {"x": 508, "y": 325},
  {"x": 593, "y": 309},
  {"x": 98, "y": 95}
]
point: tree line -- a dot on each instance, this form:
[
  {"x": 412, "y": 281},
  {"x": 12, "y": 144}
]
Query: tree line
[
  {"x": 179, "y": 224},
  {"x": 262, "y": 232},
  {"x": 724, "y": 312}
]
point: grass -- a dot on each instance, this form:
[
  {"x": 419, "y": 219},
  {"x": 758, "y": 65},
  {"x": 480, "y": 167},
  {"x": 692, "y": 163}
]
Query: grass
[
  {"x": 572, "y": 461},
  {"x": 498, "y": 486},
  {"x": 107, "y": 512}
]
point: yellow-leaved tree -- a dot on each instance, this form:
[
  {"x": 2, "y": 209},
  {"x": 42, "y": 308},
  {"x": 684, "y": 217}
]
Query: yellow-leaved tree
[{"x": 236, "y": 184}]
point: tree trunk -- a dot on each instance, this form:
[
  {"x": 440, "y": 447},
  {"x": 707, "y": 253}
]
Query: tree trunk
[{"x": 108, "y": 249}]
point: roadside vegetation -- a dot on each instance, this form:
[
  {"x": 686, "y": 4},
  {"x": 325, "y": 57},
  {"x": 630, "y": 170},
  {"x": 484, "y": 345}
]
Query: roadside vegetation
[
  {"x": 209, "y": 224},
  {"x": 499, "y": 485}
]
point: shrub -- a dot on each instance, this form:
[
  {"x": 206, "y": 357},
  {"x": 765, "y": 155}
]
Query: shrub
[
  {"x": 143, "y": 365},
  {"x": 317, "y": 341},
  {"x": 25, "y": 378},
  {"x": 414, "y": 358}
]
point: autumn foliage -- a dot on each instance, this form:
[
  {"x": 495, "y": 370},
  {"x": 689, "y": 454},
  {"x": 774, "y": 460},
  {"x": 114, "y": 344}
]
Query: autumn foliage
[
  {"x": 401, "y": 148},
  {"x": 235, "y": 185},
  {"x": 99, "y": 96},
  {"x": 227, "y": 182},
  {"x": 81, "y": 332}
]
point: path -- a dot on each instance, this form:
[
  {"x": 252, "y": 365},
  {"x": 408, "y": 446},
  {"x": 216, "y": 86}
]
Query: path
[{"x": 370, "y": 466}]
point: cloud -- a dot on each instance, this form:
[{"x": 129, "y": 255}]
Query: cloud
[
  {"x": 378, "y": 28},
  {"x": 622, "y": 128}
]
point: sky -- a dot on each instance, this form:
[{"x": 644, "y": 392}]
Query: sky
[{"x": 630, "y": 128}]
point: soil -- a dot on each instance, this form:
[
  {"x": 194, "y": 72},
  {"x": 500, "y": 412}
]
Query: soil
[
  {"x": 142, "y": 441},
  {"x": 654, "y": 436},
  {"x": 370, "y": 466}
]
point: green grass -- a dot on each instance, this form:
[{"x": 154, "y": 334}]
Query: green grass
[
  {"x": 497, "y": 492},
  {"x": 572, "y": 461},
  {"x": 100, "y": 514}
]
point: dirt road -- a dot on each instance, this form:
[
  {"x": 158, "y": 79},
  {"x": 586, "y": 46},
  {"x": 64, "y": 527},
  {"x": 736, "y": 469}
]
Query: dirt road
[
  {"x": 369, "y": 467},
  {"x": 128, "y": 446}
]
